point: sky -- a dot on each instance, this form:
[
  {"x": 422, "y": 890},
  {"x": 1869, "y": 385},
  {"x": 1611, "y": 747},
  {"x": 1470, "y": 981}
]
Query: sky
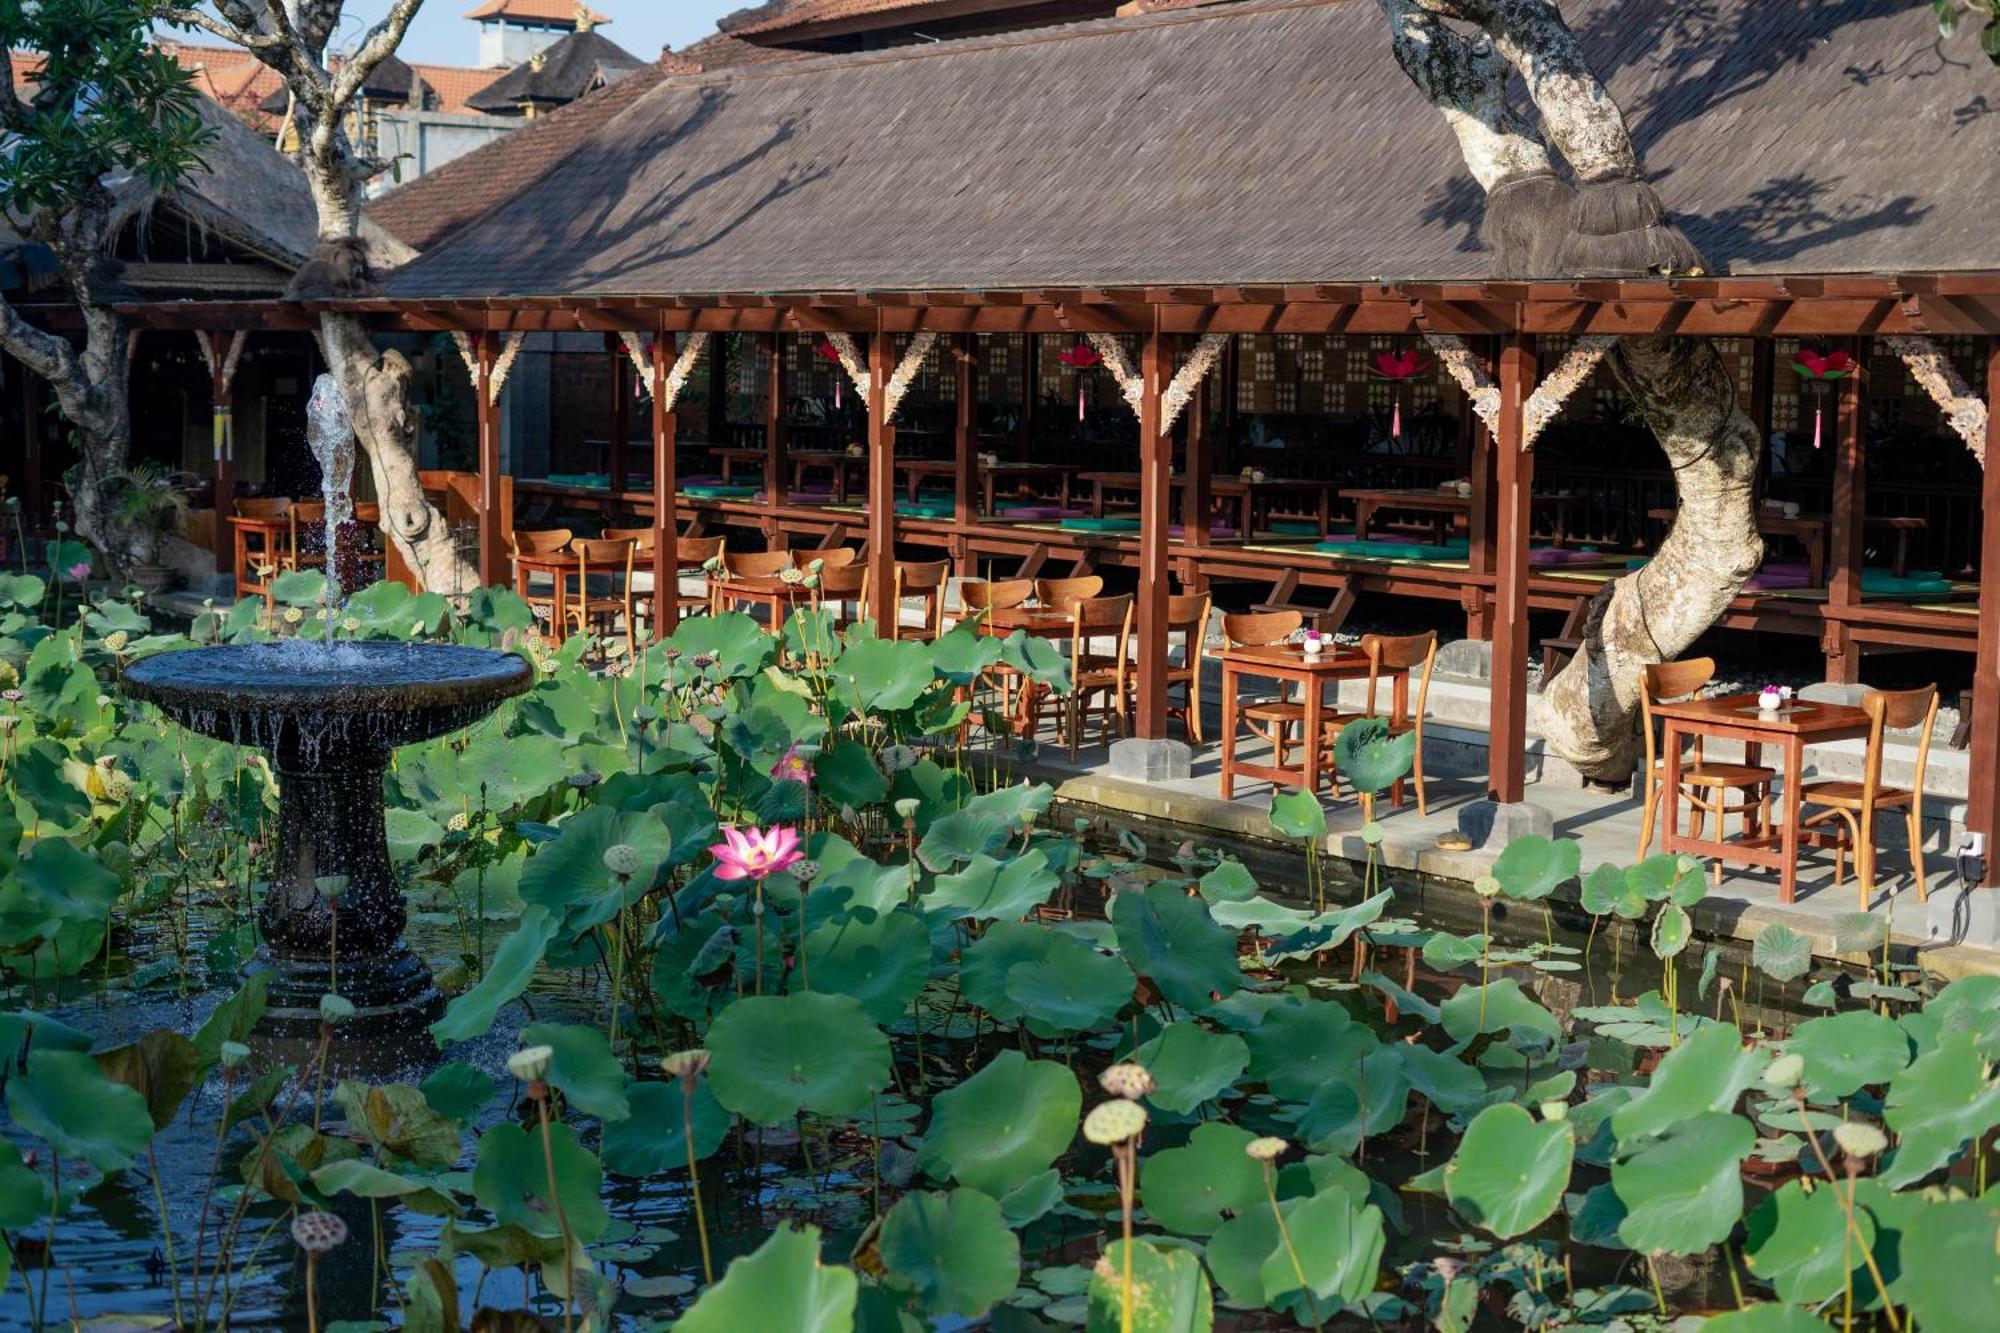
[{"x": 441, "y": 35}]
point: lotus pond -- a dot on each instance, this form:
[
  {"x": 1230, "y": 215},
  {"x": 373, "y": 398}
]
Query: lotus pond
[{"x": 912, "y": 1049}]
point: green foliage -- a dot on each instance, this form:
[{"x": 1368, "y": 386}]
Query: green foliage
[
  {"x": 782, "y": 1285},
  {"x": 776, "y": 1056},
  {"x": 1173, "y": 941},
  {"x": 953, "y": 1250},
  {"x": 1169, "y": 1293},
  {"x": 1510, "y": 1170},
  {"x": 65, "y": 1100},
  {"x": 1002, "y": 1126}
]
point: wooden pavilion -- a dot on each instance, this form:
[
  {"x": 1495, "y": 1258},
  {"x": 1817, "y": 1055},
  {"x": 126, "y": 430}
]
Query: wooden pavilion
[{"x": 1181, "y": 180}]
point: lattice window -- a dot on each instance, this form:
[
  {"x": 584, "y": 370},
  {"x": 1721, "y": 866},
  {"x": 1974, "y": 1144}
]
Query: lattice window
[{"x": 1000, "y": 361}]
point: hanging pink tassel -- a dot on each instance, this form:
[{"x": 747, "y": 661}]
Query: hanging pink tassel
[
  {"x": 1079, "y": 400},
  {"x": 836, "y": 392},
  {"x": 1816, "y": 416},
  {"x": 1396, "y": 418}
]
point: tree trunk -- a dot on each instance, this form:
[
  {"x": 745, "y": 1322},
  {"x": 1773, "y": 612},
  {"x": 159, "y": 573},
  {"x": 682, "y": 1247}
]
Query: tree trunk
[
  {"x": 92, "y": 390},
  {"x": 1608, "y": 223}
]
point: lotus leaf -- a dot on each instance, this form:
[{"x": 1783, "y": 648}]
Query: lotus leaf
[
  {"x": 964, "y": 655},
  {"x": 1943, "y": 1101},
  {"x": 1672, "y": 929},
  {"x": 1298, "y": 814},
  {"x": 1192, "y": 1188},
  {"x": 399, "y": 1122},
  {"x": 1765, "y": 1319},
  {"x": 1681, "y": 1190},
  {"x": 1609, "y": 889},
  {"x": 1169, "y": 1293},
  {"x": 1230, "y": 882},
  {"x": 1533, "y": 867},
  {"x": 1191, "y": 1065},
  {"x": 1859, "y": 932},
  {"x": 1510, "y": 1169},
  {"x": 1495, "y": 1007},
  {"x": 1302, "y": 1046},
  {"x": 1447, "y": 1082},
  {"x": 1239, "y": 1247},
  {"x": 163, "y": 1067},
  {"x": 1970, "y": 1004},
  {"x": 1950, "y": 1258},
  {"x": 990, "y": 890},
  {"x": 782, "y": 1285},
  {"x": 1706, "y": 1072},
  {"x": 1002, "y": 1126},
  {"x": 68, "y": 1102},
  {"x": 1073, "y": 989},
  {"x": 583, "y": 1068},
  {"x": 1799, "y": 1243},
  {"x": 1347, "y": 1108},
  {"x": 1444, "y": 950},
  {"x": 652, "y": 1141},
  {"x": 965, "y": 835},
  {"x": 365, "y": 1181},
  {"x": 1781, "y": 953},
  {"x": 955, "y": 1250},
  {"x": 513, "y": 966},
  {"x": 883, "y": 962},
  {"x": 987, "y": 963},
  {"x": 846, "y": 774},
  {"x": 1846, "y": 1052},
  {"x": 1172, "y": 940},
  {"x": 738, "y": 642},
  {"x": 1324, "y": 932},
  {"x": 1370, "y": 757},
  {"x": 511, "y": 1180},
  {"x": 1339, "y": 1247},
  {"x": 456, "y": 1091},
  {"x": 775, "y": 1056},
  {"x": 1037, "y": 659}
]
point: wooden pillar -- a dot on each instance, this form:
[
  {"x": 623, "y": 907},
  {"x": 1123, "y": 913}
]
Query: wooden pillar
[
  {"x": 492, "y": 556},
  {"x": 1982, "y": 806},
  {"x": 774, "y": 421},
  {"x": 881, "y": 483},
  {"x": 1514, "y": 483},
  {"x": 1481, "y": 530},
  {"x": 1197, "y": 469},
  {"x": 1763, "y": 361},
  {"x": 621, "y": 413},
  {"x": 718, "y": 388},
  {"x": 1031, "y": 378},
  {"x": 965, "y": 429},
  {"x": 666, "y": 488},
  {"x": 1156, "y": 449},
  {"x": 222, "y": 413},
  {"x": 1845, "y": 550},
  {"x": 1231, "y": 368}
]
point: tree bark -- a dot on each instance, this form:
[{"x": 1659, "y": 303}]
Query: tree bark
[{"x": 1608, "y": 222}]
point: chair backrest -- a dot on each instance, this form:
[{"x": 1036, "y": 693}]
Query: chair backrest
[
  {"x": 1091, "y": 617},
  {"x": 1668, "y": 682},
  {"x": 1399, "y": 654},
  {"x": 994, "y": 594},
  {"x": 844, "y": 583},
  {"x": 755, "y": 564},
  {"x": 1258, "y": 629},
  {"x": 546, "y": 542},
  {"x": 925, "y": 580},
  {"x": 604, "y": 556},
  {"x": 1898, "y": 710},
  {"x": 276, "y": 506},
  {"x": 1057, "y": 594},
  {"x": 1187, "y": 615},
  {"x": 694, "y": 552},
  {"x": 641, "y": 538},
  {"x": 832, "y": 557}
]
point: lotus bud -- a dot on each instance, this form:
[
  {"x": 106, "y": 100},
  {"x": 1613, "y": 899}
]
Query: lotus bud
[
  {"x": 622, "y": 860},
  {"x": 687, "y": 1066},
  {"x": 103, "y": 701},
  {"x": 1114, "y": 1122},
  {"x": 234, "y": 1053},
  {"x": 1486, "y": 886},
  {"x": 1267, "y": 1149},
  {"x": 530, "y": 1064},
  {"x": 1127, "y": 1080},
  {"x": 335, "y": 1010},
  {"x": 1785, "y": 1071},
  {"x": 1859, "y": 1139},
  {"x": 331, "y": 886},
  {"x": 1555, "y": 1112},
  {"x": 318, "y": 1232}
]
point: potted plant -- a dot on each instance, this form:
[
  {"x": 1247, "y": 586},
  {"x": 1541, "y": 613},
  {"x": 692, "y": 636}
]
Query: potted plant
[{"x": 149, "y": 508}]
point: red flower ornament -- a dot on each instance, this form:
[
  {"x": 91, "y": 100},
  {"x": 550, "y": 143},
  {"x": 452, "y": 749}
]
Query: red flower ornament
[
  {"x": 1397, "y": 367},
  {"x": 1081, "y": 358}
]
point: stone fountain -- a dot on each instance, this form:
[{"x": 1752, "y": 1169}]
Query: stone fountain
[{"x": 329, "y": 714}]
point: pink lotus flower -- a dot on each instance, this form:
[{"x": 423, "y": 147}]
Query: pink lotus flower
[
  {"x": 753, "y": 853},
  {"x": 792, "y": 767},
  {"x": 1394, "y": 366},
  {"x": 79, "y": 571},
  {"x": 1080, "y": 357},
  {"x": 1832, "y": 366}
]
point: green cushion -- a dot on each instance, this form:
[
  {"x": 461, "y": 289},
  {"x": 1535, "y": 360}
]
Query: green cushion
[
  {"x": 926, "y": 509},
  {"x": 1917, "y": 583},
  {"x": 1101, "y": 524},
  {"x": 1294, "y": 527},
  {"x": 719, "y": 492},
  {"x": 1395, "y": 550},
  {"x": 591, "y": 480}
]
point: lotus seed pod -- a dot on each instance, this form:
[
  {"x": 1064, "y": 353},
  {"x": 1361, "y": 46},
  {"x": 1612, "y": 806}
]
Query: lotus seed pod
[
  {"x": 459, "y": 822},
  {"x": 318, "y": 1232},
  {"x": 1372, "y": 833},
  {"x": 687, "y": 1066},
  {"x": 1785, "y": 1071},
  {"x": 234, "y": 1053},
  {"x": 805, "y": 872},
  {"x": 530, "y": 1064},
  {"x": 331, "y": 886},
  {"x": 335, "y": 1010},
  {"x": 1127, "y": 1080},
  {"x": 1267, "y": 1149},
  {"x": 584, "y": 780},
  {"x": 1859, "y": 1138},
  {"x": 622, "y": 860},
  {"x": 896, "y": 758},
  {"x": 1114, "y": 1122},
  {"x": 116, "y": 641},
  {"x": 293, "y": 615},
  {"x": 1486, "y": 886},
  {"x": 906, "y": 808}
]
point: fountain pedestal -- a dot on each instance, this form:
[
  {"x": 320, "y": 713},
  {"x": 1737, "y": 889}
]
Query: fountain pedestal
[{"x": 330, "y": 715}]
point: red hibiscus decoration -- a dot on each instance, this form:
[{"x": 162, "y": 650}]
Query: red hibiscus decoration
[
  {"x": 1831, "y": 366},
  {"x": 1399, "y": 366},
  {"x": 827, "y": 351},
  {"x": 1080, "y": 357}
]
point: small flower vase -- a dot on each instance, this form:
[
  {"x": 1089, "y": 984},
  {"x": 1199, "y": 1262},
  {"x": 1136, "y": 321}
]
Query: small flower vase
[
  {"x": 1770, "y": 701},
  {"x": 1314, "y": 644}
]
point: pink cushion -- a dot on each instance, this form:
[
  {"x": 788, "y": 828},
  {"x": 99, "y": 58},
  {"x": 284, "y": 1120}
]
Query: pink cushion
[
  {"x": 1557, "y": 555},
  {"x": 1217, "y": 528},
  {"x": 1039, "y": 513},
  {"x": 1772, "y": 577}
]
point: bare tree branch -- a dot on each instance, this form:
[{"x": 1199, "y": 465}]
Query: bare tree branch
[
  {"x": 380, "y": 43},
  {"x": 1466, "y": 79},
  {"x": 228, "y": 32}
]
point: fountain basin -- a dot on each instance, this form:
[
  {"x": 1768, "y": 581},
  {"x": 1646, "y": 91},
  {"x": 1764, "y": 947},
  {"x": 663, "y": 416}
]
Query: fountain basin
[{"x": 329, "y": 715}]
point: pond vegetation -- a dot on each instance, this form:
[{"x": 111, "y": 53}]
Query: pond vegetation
[{"x": 778, "y": 1005}]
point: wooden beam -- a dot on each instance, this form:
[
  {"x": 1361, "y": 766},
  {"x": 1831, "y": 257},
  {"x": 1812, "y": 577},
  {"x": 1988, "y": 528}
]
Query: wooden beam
[
  {"x": 1156, "y": 449},
  {"x": 881, "y": 486},
  {"x": 1514, "y": 482},
  {"x": 1484, "y": 554},
  {"x": 1845, "y": 549},
  {"x": 666, "y": 490},
  {"x": 1982, "y": 807},
  {"x": 964, "y": 429},
  {"x": 492, "y": 556},
  {"x": 1198, "y": 469}
]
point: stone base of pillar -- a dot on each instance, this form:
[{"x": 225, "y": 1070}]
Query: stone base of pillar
[
  {"x": 1151, "y": 761},
  {"x": 1957, "y": 913},
  {"x": 1493, "y": 824}
]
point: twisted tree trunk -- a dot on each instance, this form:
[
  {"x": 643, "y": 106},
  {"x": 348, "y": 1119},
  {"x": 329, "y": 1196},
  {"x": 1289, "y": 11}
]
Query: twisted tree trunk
[{"x": 1606, "y": 223}]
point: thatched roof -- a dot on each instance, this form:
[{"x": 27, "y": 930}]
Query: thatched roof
[
  {"x": 1253, "y": 143},
  {"x": 558, "y": 75}
]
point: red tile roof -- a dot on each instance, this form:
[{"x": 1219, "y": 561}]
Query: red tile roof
[
  {"x": 556, "y": 10},
  {"x": 455, "y": 85}
]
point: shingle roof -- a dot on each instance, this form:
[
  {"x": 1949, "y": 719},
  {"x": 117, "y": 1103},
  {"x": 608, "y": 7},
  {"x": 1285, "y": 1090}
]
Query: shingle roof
[
  {"x": 455, "y": 84},
  {"x": 1261, "y": 142},
  {"x": 808, "y": 22},
  {"x": 563, "y": 72},
  {"x": 530, "y": 9}
]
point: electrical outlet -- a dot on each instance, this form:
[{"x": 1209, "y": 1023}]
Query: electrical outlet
[{"x": 1972, "y": 844}]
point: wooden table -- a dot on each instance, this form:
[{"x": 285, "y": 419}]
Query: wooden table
[
  {"x": 1445, "y": 506},
  {"x": 1282, "y": 662},
  {"x": 770, "y": 592},
  {"x": 731, "y": 455},
  {"x": 837, "y": 461},
  {"x": 1737, "y": 717},
  {"x": 917, "y": 470},
  {"x": 274, "y": 534},
  {"x": 1810, "y": 531},
  {"x": 1250, "y": 499},
  {"x": 557, "y": 565}
]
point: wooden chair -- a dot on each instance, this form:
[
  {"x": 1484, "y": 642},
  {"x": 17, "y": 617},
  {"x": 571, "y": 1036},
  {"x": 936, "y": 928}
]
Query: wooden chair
[
  {"x": 1187, "y": 616},
  {"x": 1057, "y": 594},
  {"x": 602, "y": 594},
  {"x": 1093, "y": 674},
  {"x": 747, "y": 565},
  {"x": 1270, "y": 720},
  {"x": 1399, "y": 655},
  {"x": 537, "y": 590},
  {"x": 925, "y": 582},
  {"x": 1706, "y": 785},
  {"x": 830, "y": 557},
  {"x": 692, "y": 555},
  {"x": 258, "y": 564},
  {"x": 976, "y": 598},
  {"x": 1855, "y": 804},
  {"x": 844, "y": 591}
]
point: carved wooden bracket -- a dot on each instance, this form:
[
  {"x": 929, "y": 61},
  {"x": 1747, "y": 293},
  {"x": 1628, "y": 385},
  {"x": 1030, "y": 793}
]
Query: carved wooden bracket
[{"x": 1939, "y": 378}]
